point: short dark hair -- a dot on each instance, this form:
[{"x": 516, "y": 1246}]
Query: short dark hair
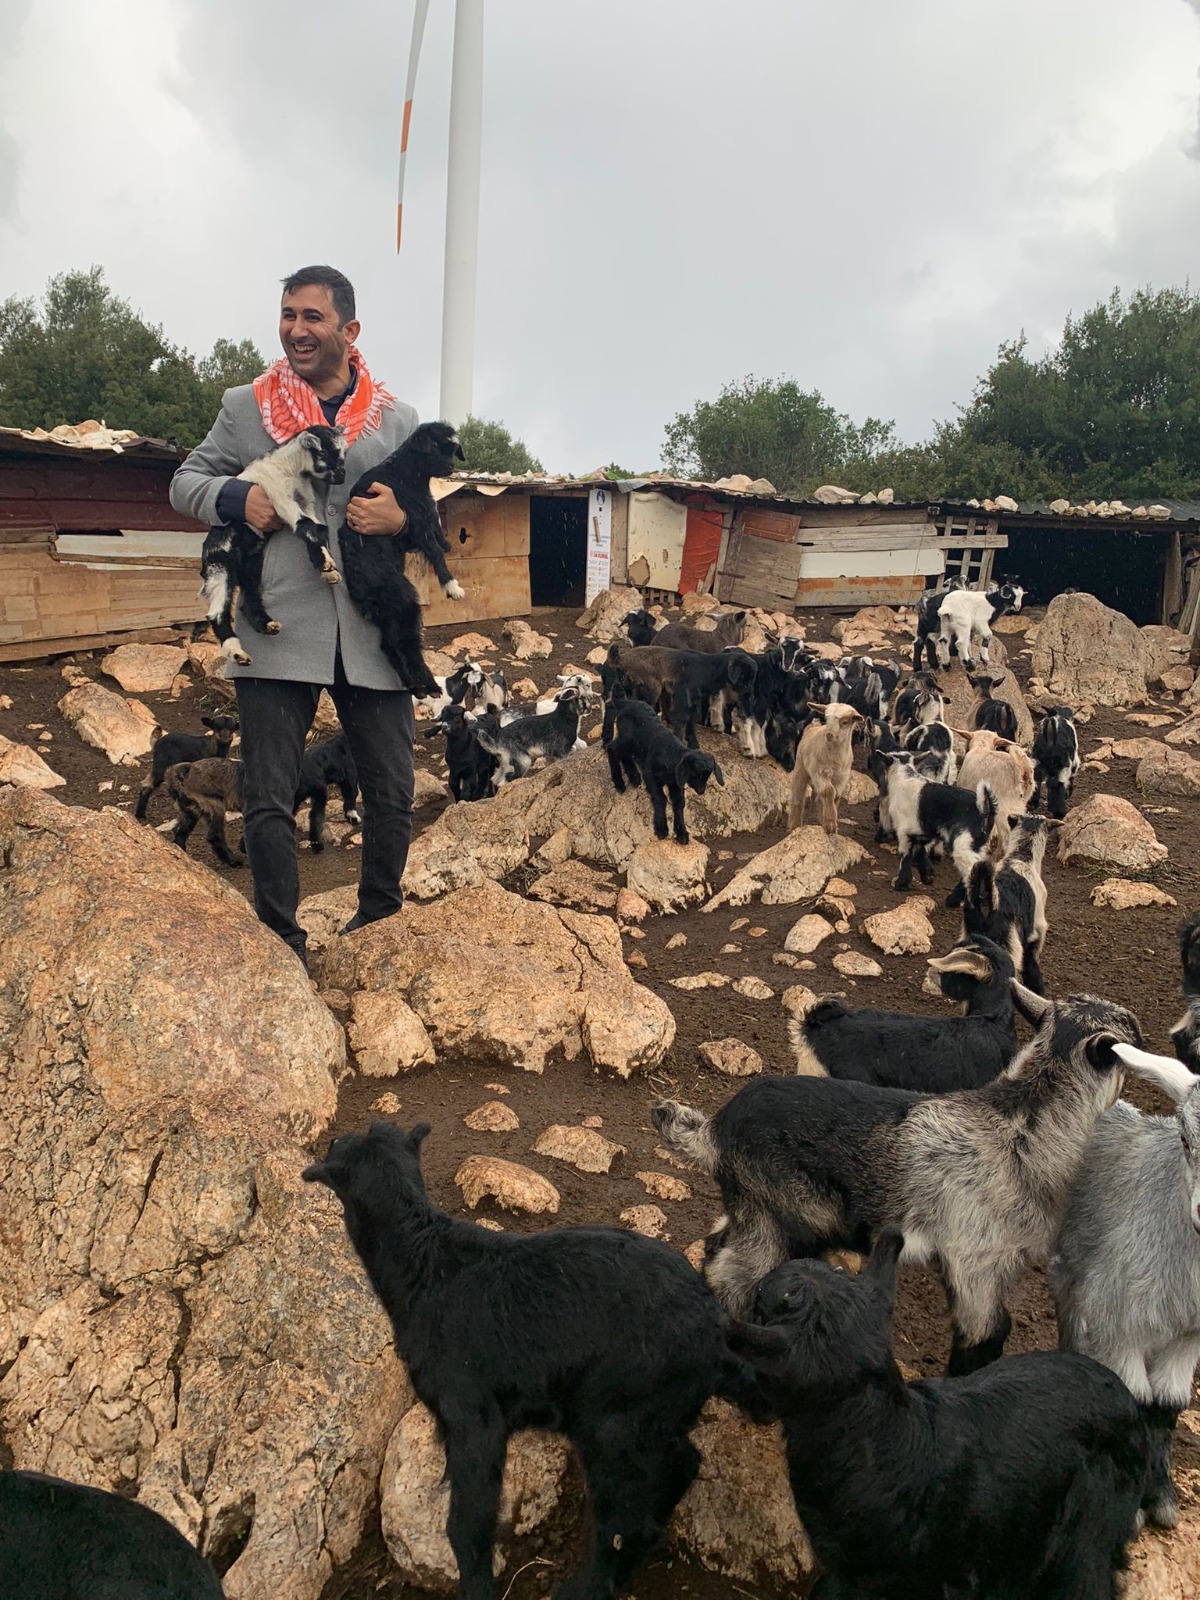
[{"x": 341, "y": 290}]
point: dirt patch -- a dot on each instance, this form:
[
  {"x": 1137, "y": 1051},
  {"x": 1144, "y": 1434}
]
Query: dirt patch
[{"x": 1129, "y": 957}]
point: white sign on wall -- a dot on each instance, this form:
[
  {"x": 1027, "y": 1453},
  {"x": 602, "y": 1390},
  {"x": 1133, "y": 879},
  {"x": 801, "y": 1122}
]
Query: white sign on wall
[{"x": 599, "y": 542}]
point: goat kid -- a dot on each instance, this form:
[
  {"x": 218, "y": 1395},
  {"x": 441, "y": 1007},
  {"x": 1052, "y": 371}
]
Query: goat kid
[
  {"x": 1125, "y": 1274},
  {"x": 208, "y": 788},
  {"x": 932, "y": 1055},
  {"x": 976, "y": 1179},
  {"x": 928, "y": 608},
  {"x": 518, "y": 744},
  {"x": 730, "y": 629},
  {"x": 1007, "y": 903},
  {"x": 924, "y": 813},
  {"x": 295, "y": 477},
  {"x": 965, "y": 618},
  {"x": 374, "y": 565},
  {"x": 470, "y": 767},
  {"x": 641, "y": 749},
  {"x": 600, "y": 1334},
  {"x": 997, "y": 716},
  {"x": 1021, "y": 1480},
  {"x": 323, "y": 766},
  {"x": 1055, "y": 760},
  {"x": 824, "y": 758},
  {"x": 1006, "y": 770},
  {"x": 170, "y": 748}
]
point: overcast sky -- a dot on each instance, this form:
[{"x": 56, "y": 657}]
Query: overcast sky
[{"x": 865, "y": 195}]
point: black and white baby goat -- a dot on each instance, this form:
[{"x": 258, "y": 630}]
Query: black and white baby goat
[
  {"x": 641, "y": 749},
  {"x": 1007, "y": 903},
  {"x": 322, "y": 767},
  {"x": 933, "y": 1055},
  {"x": 1019, "y": 1481},
  {"x": 68, "y": 1541},
  {"x": 295, "y": 477},
  {"x": 928, "y": 608},
  {"x": 374, "y": 564},
  {"x": 1055, "y": 760},
  {"x": 170, "y": 748},
  {"x": 600, "y": 1334},
  {"x": 965, "y": 618},
  {"x": 924, "y": 813},
  {"x": 469, "y": 765},
  {"x": 976, "y": 1179},
  {"x": 518, "y": 744}
]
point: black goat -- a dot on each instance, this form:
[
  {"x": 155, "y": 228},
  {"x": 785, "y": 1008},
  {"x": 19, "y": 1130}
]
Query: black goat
[
  {"x": 1020, "y": 1482},
  {"x": 928, "y": 622},
  {"x": 469, "y": 765},
  {"x": 934, "y": 1055},
  {"x": 1185, "y": 1035},
  {"x": 731, "y": 625},
  {"x": 641, "y": 627},
  {"x": 208, "y": 788},
  {"x": 295, "y": 477},
  {"x": 925, "y": 813},
  {"x": 322, "y": 767},
  {"x": 644, "y": 751},
  {"x": 516, "y": 745},
  {"x": 603, "y": 1335},
  {"x": 67, "y": 1541},
  {"x": 920, "y": 701},
  {"x": 374, "y": 565},
  {"x": 170, "y": 748},
  {"x": 1007, "y": 904},
  {"x": 680, "y": 683},
  {"x": 1055, "y": 760},
  {"x": 997, "y": 716}
]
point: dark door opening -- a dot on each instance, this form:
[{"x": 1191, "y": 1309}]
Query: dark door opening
[
  {"x": 557, "y": 549},
  {"x": 1124, "y": 570}
]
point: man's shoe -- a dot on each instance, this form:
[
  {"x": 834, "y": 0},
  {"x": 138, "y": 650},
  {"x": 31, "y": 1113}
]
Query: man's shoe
[{"x": 359, "y": 921}]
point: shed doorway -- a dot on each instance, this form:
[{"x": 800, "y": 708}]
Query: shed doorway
[
  {"x": 1124, "y": 569},
  {"x": 557, "y": 549}
]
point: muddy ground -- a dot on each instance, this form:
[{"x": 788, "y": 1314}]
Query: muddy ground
[{"x": 1126, "y": 956}]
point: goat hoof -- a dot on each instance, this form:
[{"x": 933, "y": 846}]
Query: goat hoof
[
  {"x": 454, "y": 590},
  {"x": 332, "y": 575},
  {"x": 242, "y": 659},
  {"x": 273, "y": 627}
]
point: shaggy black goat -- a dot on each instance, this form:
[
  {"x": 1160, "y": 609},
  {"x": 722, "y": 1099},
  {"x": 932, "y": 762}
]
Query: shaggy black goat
[
  {"x": 641, "y": 627},
  {"x": 680, "y": 683},
  {"x": 469, "y": 765},
  {"x": 731, "y": 625},
  {"x": 1055, "y": 760},
  {"x": 600, "y": 1334},
  {"x": 170, "y": 748},
  {"x": 209, "y": 788},
  {"x": 67, "y": 1541},
  {"x": 1021, "y": 1482},
  {"x": 374, "y": 564},
  {"x": 1008, "y": 903},
  {"x": 295, "y": 477},
  {"x": 997, "y": 716},
  {"x": 641, "y": 749},
  {"x": 934, "y": 1055},
  {"x": 322, "y": 767},
  {"x": 976, "y": 1179}
]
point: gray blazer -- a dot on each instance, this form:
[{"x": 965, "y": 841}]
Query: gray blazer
[{"x": 314, "y": 616}]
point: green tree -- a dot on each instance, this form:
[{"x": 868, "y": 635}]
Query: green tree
[
  {"x": 489, "y": 447},
  {"x": 86, "y": 353},
  {"x": 772, "y": 429}
]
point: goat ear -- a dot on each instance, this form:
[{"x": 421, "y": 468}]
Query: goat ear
[
  {"x": 419, "y": 1134},
  {"x": 718, "y": 774},
  {"x": 1101, "y": 1052},
  {"x": 967, "y": 959},
  {"x": 758, "y": 1345},
  {"x": 1170, "y": 1075},
  {"x": 1033, "y": 1007},
  {"x": 882, "y": 1262}
]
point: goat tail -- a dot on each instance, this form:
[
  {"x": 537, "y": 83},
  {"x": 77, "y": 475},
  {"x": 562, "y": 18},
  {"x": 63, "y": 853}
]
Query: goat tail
[
  {"x": 1189, "y": 955},
  {"x": 981, "y": 888},
  {"x": 688, "y": 1133},
  {"x": 985, "y": 799},
  {"x": 485, "y": 738}
]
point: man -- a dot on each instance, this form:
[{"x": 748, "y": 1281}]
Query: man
[{"x": 323, "y": 641}]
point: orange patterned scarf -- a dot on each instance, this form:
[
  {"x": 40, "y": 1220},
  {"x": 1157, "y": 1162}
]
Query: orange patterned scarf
[{"x": 289, "y": 405}]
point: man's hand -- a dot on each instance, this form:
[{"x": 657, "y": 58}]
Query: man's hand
[
  {"x": 260, "y": 513},
  {"x": 376, "y": 511}
]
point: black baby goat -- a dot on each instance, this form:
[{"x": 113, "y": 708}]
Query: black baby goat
[
  {"x": 641, "y": 749},
  {"x": 170, "y": 748},
  {"x": 322, "y": 767},
  {"x": 603, "y": 1335},
  {"x": 374, "y": 564},
  {"x": 1020, "y": 1482}
]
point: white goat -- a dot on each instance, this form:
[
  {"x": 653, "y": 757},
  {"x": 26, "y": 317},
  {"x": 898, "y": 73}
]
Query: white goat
[{"x": 966, "y": 615}]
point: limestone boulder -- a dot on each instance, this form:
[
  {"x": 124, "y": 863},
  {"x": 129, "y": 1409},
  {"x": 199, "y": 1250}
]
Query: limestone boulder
[
  {"x": 492, "y": 1117},
  {"x": 20, "y": 764},
  {"x": 861, "y": 789},
  {"x": 668, "y": 875},
  {"x": 498, "y": 978},
  {"x": 123, "y": 729},
  {"x": 1178, "y": 678},
  {"x": 604, "y": 619},
  {"x": 795, "y": 869},
  {"x": 1138, "y": 749},
  {"x": 582, "y": 1148},
  {"x": 1085, "y": 651},
  {"x": 1110, "y": 832},
  {"x": 871, "y": 626},
  {"x": 1166, "y": 648},
  {"x": 512, "y": 1186},
  {"x": 575, "y": 884},
  {"x": 145, "y": 668},
  {"x": 471, "y": 644},
  {"x": 1121, "y": 894},
  {"x": 427, "y": 790},
  {"x": 1169, "y": 771},
  {"x": 905, "y": 930},
  {"x": 527, "y": 644},
  {"x": 468, "y": 845},
  {"x": 1186, "y": 732},
  {"x": 205, "y": 658},
  {"x": 386, "y": 1035}
]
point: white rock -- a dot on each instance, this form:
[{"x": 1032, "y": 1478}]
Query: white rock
[
  {"x": 145, "y": 668},
  {"x": 582, "y": 1148},
  {"x": 1120, "y": 894},
  {"x": 795, "y": 869},
  {"x": 20, "y": 764},
  {"x": 122, "y": 728},
  {"x": 663, "y": 1186},
  {"x": 853, "y": 965},
  {"x": 751, "y": 988},
  {"x": 905, "y": 930},
  {"x": 386, "y": 1035},
  {"x": 492, "y": 1117},
  {"x": 1111, "y": 832},
  {"x": 647, "y": 1219},
  {"x": 511, "y": 1186},
  {"x": 805, "y": 935},
  {"x": 732, "y": 1057},
  {"x": 668, "y": 875}
]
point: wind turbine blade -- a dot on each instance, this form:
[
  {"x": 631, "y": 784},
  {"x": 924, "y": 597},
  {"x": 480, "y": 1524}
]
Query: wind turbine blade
[{"x": 420, "y": 11}]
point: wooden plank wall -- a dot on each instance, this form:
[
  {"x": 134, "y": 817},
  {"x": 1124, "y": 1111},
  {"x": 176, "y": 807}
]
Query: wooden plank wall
[
  {"x": 489, "y": 555},
  {"x": 93, "y": 493},
  {"x": 42, "y": 598}
]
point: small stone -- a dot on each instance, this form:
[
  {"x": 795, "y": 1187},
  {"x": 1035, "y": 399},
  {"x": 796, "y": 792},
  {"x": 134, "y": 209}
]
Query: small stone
[
  {"x": 784, "y": 958},
  {"x": 490, "y": 1224},
  {"x": 756, "y": 933},
  {"x": 1121, "y": 894},
  {"x": 592, "y": 1122},
  {"x": 5, "y": 702},
  {"x": 582, "y": 1148},
  {"x": 853, "y": 965},
  {"x": 797, "y": 1000},
  {"x": 493, "y": 1116},
  {"x": 336, "y": 999},
  {"x": 730, "y": 950},
  {"x": 739, "y": 922},
  {"x": 724, "y": 855},
  {"x": 661, "y": 1153},
  {"x": 635, "y": 958},
  {"x": 472, "y": 644},
  {"x": 676, "y": 941},
  {"x": 695, "y": 1254},
  {"x": 511, "y": 1186},
  {"x": 650, "y": 1220},
  {"x": 842, "y": 888},
  {"x": 732, "y": 1057},
  {"x": 105, "y": 787},
  {"x": 1149, "y": 719},
  {"x": 1178, "y": 678},
  {"x": 701, "y": 980},
  {"x": 804, "y": 936},
  {"x": 631, "y": 907},
  {"x": 905, "y": 930},
  {"x": 663, "y": 1186},
  {"x": 635, "y": 933},
  {"x": 388, "y": 1104},
  {"x": 753, "y": 989},
  {"x": 497, "y": 1088}
]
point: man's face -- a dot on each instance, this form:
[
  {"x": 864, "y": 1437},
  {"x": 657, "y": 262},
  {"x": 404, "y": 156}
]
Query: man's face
[{"x": 312, "y": 340}]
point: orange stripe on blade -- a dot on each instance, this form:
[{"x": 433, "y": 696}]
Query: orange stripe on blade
[
  {"x": 404, "y": 127},
  {"x": 399, "y": 214}
]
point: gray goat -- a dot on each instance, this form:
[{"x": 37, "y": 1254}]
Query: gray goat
[
  {"x": 1126, "y": 1270},
  {"x": 976, "y": 1179}
]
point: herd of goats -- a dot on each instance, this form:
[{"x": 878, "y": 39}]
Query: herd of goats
[{"x": 922, "y": 1138}]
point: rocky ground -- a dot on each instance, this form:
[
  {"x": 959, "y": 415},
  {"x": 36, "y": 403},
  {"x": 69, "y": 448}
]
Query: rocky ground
[{"x": 620, "y": 1021}]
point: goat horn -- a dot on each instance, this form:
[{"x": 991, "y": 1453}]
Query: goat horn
[{"x": 1169, "y": 1074}]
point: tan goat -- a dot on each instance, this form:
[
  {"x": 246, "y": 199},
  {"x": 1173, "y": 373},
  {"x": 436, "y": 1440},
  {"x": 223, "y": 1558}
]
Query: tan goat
[
  {"x": 1007, "y": 769},
  {"x": 823, "y": 762}
]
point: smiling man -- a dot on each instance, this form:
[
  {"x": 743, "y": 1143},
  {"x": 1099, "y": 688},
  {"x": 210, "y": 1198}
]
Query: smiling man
[{"x": 323, "y": 641}]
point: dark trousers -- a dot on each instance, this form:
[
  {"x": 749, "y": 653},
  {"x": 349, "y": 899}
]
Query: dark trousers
[{"x": 276, "y": 715}]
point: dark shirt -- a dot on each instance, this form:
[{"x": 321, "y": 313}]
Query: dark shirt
[{"x": 231, "y": 502}]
